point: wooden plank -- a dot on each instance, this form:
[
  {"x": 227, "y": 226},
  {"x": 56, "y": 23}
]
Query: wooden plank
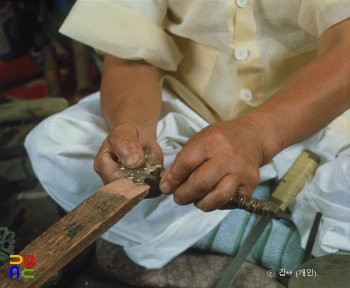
[{"x": 78, "y": 229}]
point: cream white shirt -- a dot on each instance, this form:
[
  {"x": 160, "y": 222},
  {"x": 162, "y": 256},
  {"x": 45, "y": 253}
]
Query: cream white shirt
[{"x": 221, "y": 57}]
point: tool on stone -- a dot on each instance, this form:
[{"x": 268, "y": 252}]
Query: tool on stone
[{"x": 290, "y": 185}]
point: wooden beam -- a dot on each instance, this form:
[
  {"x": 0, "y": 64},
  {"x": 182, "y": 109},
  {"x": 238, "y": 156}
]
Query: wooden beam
[{"x": 77, "y": 230}]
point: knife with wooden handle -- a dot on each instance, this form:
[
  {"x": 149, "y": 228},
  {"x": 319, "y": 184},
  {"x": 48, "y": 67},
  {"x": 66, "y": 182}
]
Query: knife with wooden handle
[
  {"x": 89, "y": 220},
  {"x": 290, "y": 185}
]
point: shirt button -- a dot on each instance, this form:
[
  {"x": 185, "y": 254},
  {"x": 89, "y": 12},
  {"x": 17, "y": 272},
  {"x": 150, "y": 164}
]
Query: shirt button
[
  {"x": 246, "y": 95},
  {"x": 241, "y": 3},
  {"x": 241, "y": 53}
]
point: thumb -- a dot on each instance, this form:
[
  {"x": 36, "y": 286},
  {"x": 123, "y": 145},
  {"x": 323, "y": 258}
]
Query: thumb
[{"x": 128, "y": 146}]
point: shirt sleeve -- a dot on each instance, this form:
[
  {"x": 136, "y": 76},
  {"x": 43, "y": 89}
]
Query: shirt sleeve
[
  {"x": 117, "y": 27},
  {"x": 316, "y": 16}
]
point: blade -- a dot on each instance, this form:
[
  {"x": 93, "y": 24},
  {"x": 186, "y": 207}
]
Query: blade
[
  {"x": 243, "y": 252},
  {"x": 290, "y": 185},
  {"x": 284, "y": 216}
]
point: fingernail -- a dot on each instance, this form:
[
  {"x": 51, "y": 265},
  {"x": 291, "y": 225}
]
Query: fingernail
[
  {"x": 132, "y": 159},
  {"x": 165, "y": 188}
]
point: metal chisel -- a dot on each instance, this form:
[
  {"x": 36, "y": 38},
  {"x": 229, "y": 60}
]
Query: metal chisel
[{"x": 290, "y": 185}]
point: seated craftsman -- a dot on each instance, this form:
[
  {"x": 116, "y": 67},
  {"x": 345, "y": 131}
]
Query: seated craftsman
[{"x": 226, "y": 95}]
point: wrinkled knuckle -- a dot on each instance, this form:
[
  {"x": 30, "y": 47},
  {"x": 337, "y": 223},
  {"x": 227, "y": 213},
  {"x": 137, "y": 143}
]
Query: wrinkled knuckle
[
  {"x": 124, "y": 127},
  {"x": 123, "y": 131},
  {"x": 127, "y": 146},
  {"x": 122, "y": 142},
  {"x": 201, "y": 186},
  {"x": 97, "y": 167},
  {"x": 179, "y": 200},
  {"x": 216, "y": 135},
  {"x": 174, "y": 178},
  {"x": 217, "y": 199},
  {"x": 235, "y": 177},
  {"x": 221, "y": 198},
  {"x": 207, "y": 204},
  {"x": 202, "y": 207},
  {"x": 255, "y": 177}
]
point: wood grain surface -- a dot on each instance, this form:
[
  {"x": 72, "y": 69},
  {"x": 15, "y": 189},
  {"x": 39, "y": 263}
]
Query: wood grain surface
[{"x": 73, "y": 233}]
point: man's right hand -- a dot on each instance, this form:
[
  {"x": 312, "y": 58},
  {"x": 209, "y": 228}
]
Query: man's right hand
[{"x": 125, "y": 142}]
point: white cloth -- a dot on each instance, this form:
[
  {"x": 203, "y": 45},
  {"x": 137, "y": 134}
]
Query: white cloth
[
  {"x": 327, "y": 191},
  {"x": 62, "y": 149}
]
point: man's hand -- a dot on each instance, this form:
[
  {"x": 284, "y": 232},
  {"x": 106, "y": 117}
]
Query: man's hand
[
  {"x": 217, "y": 162},
  {"x": 131, "y": 101},
  {"x": 225, "y": 157},
  {"x": 125, "y": 142}
]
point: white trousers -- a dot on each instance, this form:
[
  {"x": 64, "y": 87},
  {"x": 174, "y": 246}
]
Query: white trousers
[{"x": 62, "y": 150}]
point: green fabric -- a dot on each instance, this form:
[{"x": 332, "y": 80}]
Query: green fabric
[
  {"x": 277, "y": 248},
  {"x": 263, "y": 240},
  {"x": 240, "y": 234},
  {"x": 212, "y": 237}
]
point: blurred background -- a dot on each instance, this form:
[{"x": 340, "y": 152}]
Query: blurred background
[
  {"x": 41, "y": 72},
  {"x": 37, "y": 61}
]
